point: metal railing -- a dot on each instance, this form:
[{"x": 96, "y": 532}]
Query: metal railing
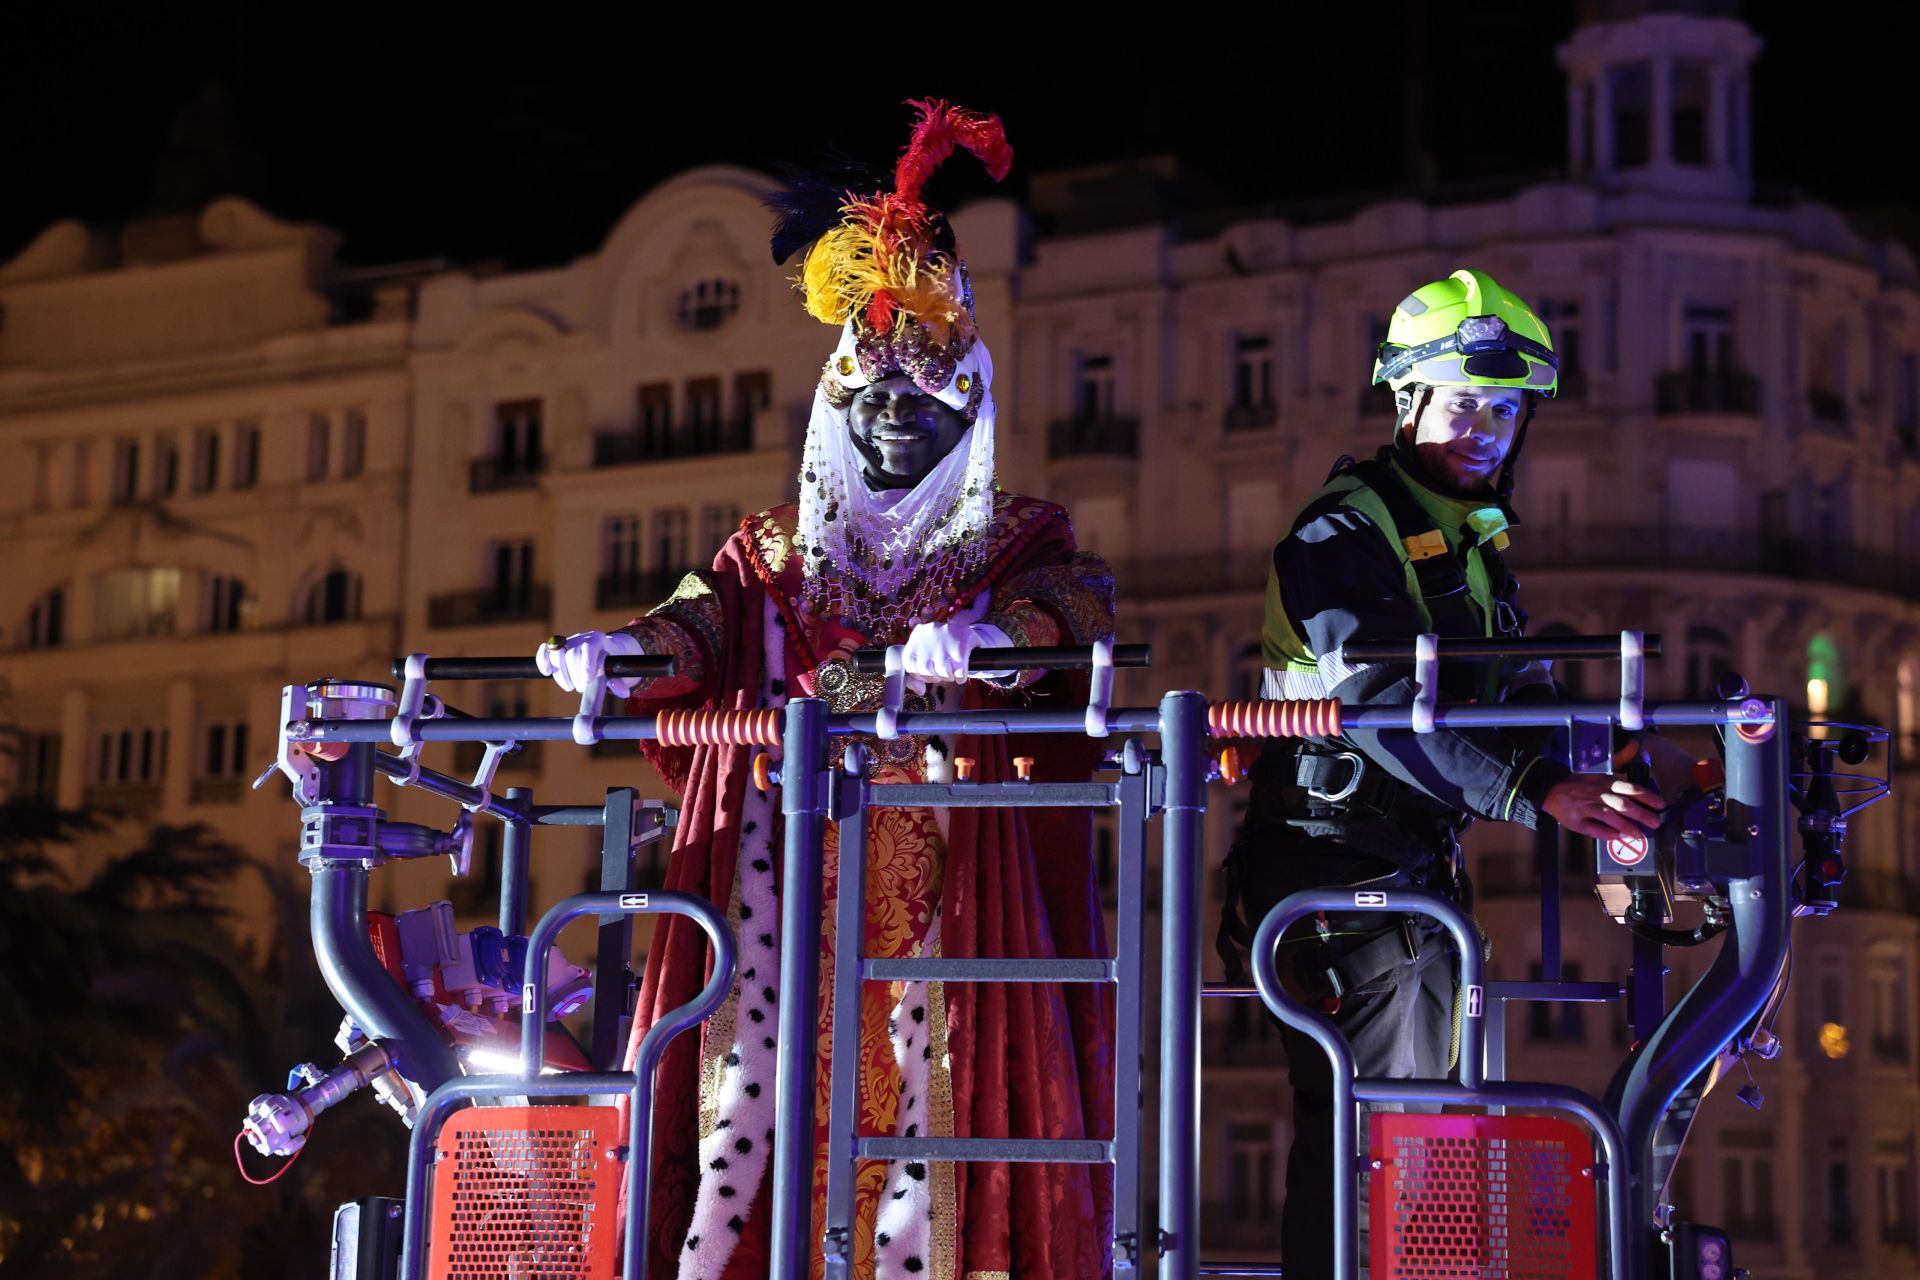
[
  {"x": 661, "y": 443},
  {"x": 124, "y": 797},
  {"x": 1715, "y": 391},
  {"x": 1250, "y": 417},
  {"x": 1201, "y": 573},
  {"x": 636, "y": 589},
  {"x": 1714, "y": 550},
  {"x": 1827, "y": 406},
  {"x": 485, "y": 606},
  {"x": 216, "y": 790},
  {"x": 1094, "y": 437},
  {"x": 501, "y": 471}
]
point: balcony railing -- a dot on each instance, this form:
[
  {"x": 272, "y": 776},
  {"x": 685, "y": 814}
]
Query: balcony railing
[
  {"x": 636, "y": 590},
  {"x": 1718, "y": 391},
  {"x": 1209, "y": 573},
  {"x": 658, "y": 444},
  {"x": 216, "y": 790},
  {"x": 489, "y": 605},
  {"x": 1715, "y": 550},
  {"x": 124, "y": 797},
  {"x": 1754, "y": 1227},
  {"x": 1827, "y": 406},
  {"x": 1094, "y": 437},
  {"x": 1874, "y": 889},
  {"x": 488, "y": 475},
  {"x": 1895, "y": 1049},
  {"x": 1251, "y": 417},
  {"x": 1542, "y": 546}
]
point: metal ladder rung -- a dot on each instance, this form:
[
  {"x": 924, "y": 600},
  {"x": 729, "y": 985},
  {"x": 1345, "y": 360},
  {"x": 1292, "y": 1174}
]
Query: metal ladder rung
[
  {"x": 1014, "y": 1150},
  {"x": 994, "y": 795},
  {"x": 968, "y": 970}
]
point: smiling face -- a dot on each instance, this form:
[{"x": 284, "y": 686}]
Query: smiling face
[
  {"x": 1463, "y": 435},
  {"x": 901, "y": 432}
]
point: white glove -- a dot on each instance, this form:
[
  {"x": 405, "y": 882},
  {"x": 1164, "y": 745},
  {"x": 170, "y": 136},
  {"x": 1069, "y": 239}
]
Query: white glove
[
  {"x": 575, "y": 661},
  {"x": 940, "y": 650}
]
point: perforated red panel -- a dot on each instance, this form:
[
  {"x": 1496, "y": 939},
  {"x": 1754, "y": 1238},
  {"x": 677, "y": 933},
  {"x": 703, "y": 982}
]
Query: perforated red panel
[
  {"x": 1481, "y": 1198},
  {"x": 522, "y": 1192}
]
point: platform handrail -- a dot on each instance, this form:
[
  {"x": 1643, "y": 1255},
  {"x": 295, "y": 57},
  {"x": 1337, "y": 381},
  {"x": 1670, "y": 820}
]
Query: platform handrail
[
  {"x": 1568, "y": 648},
  {"x": 1348, "y": 1090}
]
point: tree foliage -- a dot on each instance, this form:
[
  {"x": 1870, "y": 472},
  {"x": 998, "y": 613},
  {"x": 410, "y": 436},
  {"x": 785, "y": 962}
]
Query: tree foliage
[{"x": 141, "y": 1019}]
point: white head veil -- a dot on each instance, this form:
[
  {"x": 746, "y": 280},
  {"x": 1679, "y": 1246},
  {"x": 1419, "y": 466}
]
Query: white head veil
[{"x": 885, "y": 559}]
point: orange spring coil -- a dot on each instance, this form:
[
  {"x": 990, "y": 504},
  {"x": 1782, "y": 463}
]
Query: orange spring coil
[
  {"x": 1302, "y": 718},
  {"x": 692, "y": 728}
]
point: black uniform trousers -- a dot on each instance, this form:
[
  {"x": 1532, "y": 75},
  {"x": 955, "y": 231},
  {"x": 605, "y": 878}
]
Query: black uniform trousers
[{"x": 1399, "y": 1022}]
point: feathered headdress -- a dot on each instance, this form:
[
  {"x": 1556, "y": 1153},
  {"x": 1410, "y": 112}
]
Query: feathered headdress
[{"x": 884, "y": 265}]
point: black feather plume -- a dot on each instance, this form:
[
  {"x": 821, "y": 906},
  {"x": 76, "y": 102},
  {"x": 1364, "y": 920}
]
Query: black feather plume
[{"x": 812, "y": 201}]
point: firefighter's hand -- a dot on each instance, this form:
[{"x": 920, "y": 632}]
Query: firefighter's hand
[{"x": 1604, "y": 807}]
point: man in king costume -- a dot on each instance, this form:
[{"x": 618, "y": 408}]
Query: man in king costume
[{"x": 899, "y": 536}]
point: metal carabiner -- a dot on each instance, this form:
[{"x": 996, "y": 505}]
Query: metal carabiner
[{"x": 1347, "y": 788}]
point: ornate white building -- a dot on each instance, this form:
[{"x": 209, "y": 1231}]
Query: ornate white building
[{"x": 221, "y": 483}]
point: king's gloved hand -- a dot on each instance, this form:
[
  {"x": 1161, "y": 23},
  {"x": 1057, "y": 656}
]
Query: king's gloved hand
[
  {"x": 939, "y": 651},
  {"x": 576, "y": 660}
]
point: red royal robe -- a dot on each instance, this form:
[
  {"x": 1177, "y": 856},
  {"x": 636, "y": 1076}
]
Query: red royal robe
[{"x": 1027, "y": 1060}]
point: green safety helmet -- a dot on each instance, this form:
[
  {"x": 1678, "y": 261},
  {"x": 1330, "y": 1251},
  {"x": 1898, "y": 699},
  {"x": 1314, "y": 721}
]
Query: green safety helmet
[{"x": 1466, "y": 331}]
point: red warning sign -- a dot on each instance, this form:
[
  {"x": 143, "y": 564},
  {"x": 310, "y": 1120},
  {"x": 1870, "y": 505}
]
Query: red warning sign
[{"x": 1628, "y": 851}]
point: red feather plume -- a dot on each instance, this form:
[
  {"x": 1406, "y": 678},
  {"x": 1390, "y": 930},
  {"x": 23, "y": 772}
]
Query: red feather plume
[{"x": 935, "y": 135}]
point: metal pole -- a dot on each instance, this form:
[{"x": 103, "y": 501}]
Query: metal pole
[
  {"x": 1183, "y": 735},
  {"x": 339, "y": 845},
  {"x": 849, "y": 954},
  {"x": 1129, "y": 947},
  {"x": 803, "y": 804},
  {"x": 613, "y": 964},
  {"x": 516, "y": 851},
  {"x": 378, "y": 1005},
  {"x": 1742, "y": 975}
]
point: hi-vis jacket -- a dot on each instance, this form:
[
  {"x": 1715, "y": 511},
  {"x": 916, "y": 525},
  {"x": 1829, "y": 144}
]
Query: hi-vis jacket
[{"x": 1347, "y": 572}]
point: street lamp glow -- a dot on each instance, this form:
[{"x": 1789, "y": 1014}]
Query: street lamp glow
[{"x": 1816, "y": 696}]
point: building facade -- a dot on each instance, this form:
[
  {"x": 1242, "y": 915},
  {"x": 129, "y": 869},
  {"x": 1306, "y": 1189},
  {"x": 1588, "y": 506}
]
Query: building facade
[{"x": 223, "y": 485}]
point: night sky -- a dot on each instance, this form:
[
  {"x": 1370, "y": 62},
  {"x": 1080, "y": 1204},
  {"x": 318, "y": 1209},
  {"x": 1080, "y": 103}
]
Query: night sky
[{"x": 482, "y": 138}]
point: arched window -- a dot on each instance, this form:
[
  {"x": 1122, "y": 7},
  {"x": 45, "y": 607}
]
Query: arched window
[
  {"x": 225, "y": 604},
  {"x": 708, "y": 304},
  {"x": 45, "y": 626},
  {"x": 333, "y": 597},
  {"x": 138, "y": 602},
  {"x": 1709, "y": 656}
]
